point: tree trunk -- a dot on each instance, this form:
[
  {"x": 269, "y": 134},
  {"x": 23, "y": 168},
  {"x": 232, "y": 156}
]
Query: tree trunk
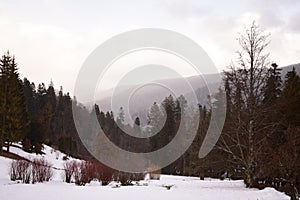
[
  {"x": 8, "y": 146},
  {"x": 1, "y": 145},
  {"x": 249, "y": 179},
  {"x": 201, "y": 173},
  {"x": 250, "y": 155}
]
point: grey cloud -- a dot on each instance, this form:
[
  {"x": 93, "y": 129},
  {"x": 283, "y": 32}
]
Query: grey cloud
[
  {"x": 186, "y": 9},
  {"x": 269, "y": 11},
  {"x": 294, "y": 22},
  {"x": 273, "y": 12}
]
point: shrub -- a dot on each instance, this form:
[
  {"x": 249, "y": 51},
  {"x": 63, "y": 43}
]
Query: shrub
[
  {"x": 20, "y": 170},
  {"x": 37, "y": 171},
  {"x": 41, "y": 170},
  {"x": 86, "y": 171},
  {"x": 69, "y": 169},
  {"x": 105, "y": 177},
  {"x": 138, "y": 176},
  {"x": 102, "y": 173},
  {"x": 83, "y": 173},
  {"x": 26, "y": 172},
  {"x": 126, "y": 178},
  {"x": 89, "y": 171},
  {"x": 13, "y": 171}
]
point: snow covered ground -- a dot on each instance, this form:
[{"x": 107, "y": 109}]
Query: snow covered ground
[{"x": 182, "y": 187}]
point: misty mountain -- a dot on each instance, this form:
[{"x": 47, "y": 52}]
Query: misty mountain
[{"x": 139, "y": 98}]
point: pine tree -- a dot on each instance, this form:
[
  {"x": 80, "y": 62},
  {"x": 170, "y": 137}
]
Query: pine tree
[
  {"x": 181, "y": 105},
  {"x": 272, "y": 92},
  {"x": 169, "y": 130},
  {"x": 155, "y": 119},
  {"x": 51, "y": 97},
  {"x": 30, "y": 94},
  {"x": 13, "y": 112},
  {"x": 291, "y": 99},
  {"x": 273, "y": 87},
  {"x": 4, "y": 67}
]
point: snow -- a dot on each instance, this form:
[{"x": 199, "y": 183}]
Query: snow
[
  {"x": 180, "y": 187},
  {"x": 53, "y": 156}
]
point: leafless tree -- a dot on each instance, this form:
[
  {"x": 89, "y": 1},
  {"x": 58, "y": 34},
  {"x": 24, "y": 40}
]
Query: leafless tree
[{"x": 243, "y": 134}]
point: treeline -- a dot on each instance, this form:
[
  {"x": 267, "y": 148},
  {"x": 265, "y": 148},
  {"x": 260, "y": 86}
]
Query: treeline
[
  {"x": 50, "y": 119},
  {"x": 35, "y": 114},
  {"x": 163, "y": 123}
]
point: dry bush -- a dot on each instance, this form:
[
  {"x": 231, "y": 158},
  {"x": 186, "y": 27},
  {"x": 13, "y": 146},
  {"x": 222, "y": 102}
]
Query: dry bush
[
  {"x": 77, "y": 172},
  {"x": 138, "y": 176},
  {"x": 103, "y": 173},
  {"x": 41, "y": 170},
  {"x": 20, "y": 170},
  {"x": 126, "y": 178},
  {"x": 87, "y": 172},
  {"x": 13, "y": 171},
  {"x": 37, "y": 171},
  {"x": 83, "y": 173},
  {"x": 69, "y": 169}
]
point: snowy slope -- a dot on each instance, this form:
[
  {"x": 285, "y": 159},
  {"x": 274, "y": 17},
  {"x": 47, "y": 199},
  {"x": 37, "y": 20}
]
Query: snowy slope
[
  {"x": 54, "y": 157},
  {"x": 51, "y": 155},
  {"x": 182, "y": 187}
]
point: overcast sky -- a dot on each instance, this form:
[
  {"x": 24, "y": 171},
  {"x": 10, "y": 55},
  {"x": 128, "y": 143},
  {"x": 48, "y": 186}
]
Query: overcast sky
[{"x": 52, "y": 38}]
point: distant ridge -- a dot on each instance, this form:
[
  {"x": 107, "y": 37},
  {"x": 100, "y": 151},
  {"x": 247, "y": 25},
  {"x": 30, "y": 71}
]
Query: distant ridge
[{"x": 141, "y": 102}]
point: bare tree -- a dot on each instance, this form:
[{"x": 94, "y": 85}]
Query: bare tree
[{"x": 243, "y": 134}]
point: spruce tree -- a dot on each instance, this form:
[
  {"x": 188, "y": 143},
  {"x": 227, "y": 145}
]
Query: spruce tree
[
  {"x": 13, "y": 112},
  {"x": 291, "y": 99},
  {"x": 271, "y": 103},
  {"x": 155, "y": 119},
  {"x": 273, "y": 87}
]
